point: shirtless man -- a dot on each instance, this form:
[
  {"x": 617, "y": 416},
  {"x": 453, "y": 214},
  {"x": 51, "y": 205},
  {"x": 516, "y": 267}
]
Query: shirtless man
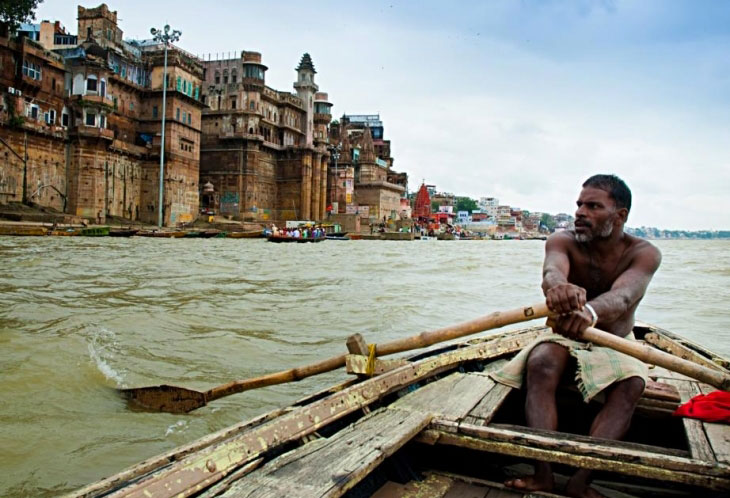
[{"x": 596, "y": 266}]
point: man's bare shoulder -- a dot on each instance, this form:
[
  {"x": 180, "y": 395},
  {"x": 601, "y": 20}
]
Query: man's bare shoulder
[
  {"x": 563, "y": 238},
  {"x": 644, "y": 250}
]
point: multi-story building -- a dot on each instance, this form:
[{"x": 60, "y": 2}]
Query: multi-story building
[
  {"x": 264, "y": 150},
  {"x": 90, "y": 115},
  {"x": 364, "y": 182},
  {"x": 489, "y": 205}
]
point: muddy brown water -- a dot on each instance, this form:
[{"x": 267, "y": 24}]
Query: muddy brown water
[{"x": 80, "y": 317}]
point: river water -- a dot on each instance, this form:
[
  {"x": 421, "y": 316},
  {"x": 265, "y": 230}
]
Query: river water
[{"x": 81, "y": 316}]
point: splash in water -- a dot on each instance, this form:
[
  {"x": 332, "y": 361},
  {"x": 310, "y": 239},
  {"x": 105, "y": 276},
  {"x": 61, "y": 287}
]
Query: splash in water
[{"x": 102, "y": 347}]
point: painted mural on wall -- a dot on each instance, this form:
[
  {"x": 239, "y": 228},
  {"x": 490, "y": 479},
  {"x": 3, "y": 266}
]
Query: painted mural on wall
[{"x": 230, "y": 202}]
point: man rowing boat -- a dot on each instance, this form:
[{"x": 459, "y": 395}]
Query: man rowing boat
[{"x": 595, "y": 275}]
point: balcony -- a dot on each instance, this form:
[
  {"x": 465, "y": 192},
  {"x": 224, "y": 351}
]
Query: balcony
[
  {"x": 322, "y": 117},
  {"x": 94, "y": 132}
]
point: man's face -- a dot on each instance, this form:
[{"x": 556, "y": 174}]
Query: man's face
[{"x": 595, "y": 216}]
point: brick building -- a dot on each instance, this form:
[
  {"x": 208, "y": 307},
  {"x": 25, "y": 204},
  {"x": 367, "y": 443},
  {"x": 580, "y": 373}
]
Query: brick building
[
  {"x": 264, "y": 151},
  {"x": 88, "y": 116},
  {"x": 365, "y": 182}
]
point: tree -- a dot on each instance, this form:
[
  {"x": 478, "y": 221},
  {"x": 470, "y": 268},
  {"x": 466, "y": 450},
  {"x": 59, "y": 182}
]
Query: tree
[
  {"x": 548, "y": 221},
  {"x": 435, "y": 205},
  {"x": 466, "y": 204},
  {"x": 15, "y": 12}
]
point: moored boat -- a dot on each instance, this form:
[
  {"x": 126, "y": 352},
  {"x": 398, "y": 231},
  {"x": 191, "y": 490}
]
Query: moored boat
[
  {"x": 123, "y": 232},
  {"x": 279, "y": 238},
  {"x": 161, "y": 234},
  {"x": 253, "y": 234},
  {"x": 95, "y": 232},
  {"x": 436, "y": 425}
]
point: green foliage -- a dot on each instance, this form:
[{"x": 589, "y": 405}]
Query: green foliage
[
  {"x": 466, "y": 204},
  {"x": 14, "y": 12},
  {"x": 435, "y": 206},
  {"x": 548, "y": 221}
]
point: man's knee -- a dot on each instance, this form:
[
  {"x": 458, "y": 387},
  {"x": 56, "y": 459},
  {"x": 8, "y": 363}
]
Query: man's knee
[
  {"x": 628, "y": 390},
  {"x": 546, "y": 363}
]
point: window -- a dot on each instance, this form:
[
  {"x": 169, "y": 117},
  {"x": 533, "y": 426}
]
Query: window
[
  {"x": 217, "y": 78},
  {"x": 102, "y": 88},
  {"x": 131, "y": 106},
  {"x": 190, "y": 118},
  {"x": 32, "y": 70},
  {"x": 178, "y": 85},
  {"x": 102, "y": 121},
  {"x": 90, "y": 119},
  {"x": 177, "y": 114},
  {"x": 51, "y": 119},
  {"x": 184, "y": 117},
  {"x": 91, "y": 83},
  {"x": 154, "y": 111},
  {"x": 234, "y": 76},
  {"x": 64, "y": 119},
  {"x": 252, "y": 105},
  {"x": 233, "y": 102},
  {"x": 114, "y": 99},
  {"x": 53, "y": 84}
]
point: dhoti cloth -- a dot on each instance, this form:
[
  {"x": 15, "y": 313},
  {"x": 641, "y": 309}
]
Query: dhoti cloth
[{"x": 597, "y": 367}]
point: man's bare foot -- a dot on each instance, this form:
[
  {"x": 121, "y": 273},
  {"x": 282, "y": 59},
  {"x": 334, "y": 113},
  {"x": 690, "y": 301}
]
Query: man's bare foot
[
  {"x": 581, "y": 491},
  {"x": 531, "y": 483}
]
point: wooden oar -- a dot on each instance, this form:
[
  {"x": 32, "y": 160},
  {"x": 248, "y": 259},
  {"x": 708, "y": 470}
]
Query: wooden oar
[
  {"x": 653, "y": 356},
  {"x": 175, "y": 399}
]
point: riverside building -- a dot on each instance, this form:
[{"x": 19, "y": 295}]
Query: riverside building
[
  {"x": 87, "y": 110},
  {"x": 264, "y": 155}
]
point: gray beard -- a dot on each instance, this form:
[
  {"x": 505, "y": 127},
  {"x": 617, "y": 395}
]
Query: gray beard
[{"x": 604, "y": 232}]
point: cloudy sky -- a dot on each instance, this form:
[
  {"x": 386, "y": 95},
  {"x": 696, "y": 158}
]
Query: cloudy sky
[{"x": 520, "y": 100}]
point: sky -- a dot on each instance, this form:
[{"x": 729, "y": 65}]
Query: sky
[{"x": 519, "y": 100}]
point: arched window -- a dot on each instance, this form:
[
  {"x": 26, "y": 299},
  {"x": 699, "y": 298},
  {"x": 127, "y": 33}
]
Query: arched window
[
  {"x": 78, "y": 84},
  {"x": 225, "y": 76},
  {"x": 234, "y": 76},
  {"x": 217, "y": 77}
]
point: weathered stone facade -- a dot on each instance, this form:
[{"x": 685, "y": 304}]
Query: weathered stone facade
[
  {"x": 264, "y": 151},
  {"x": 91, "y": 118},
  {"x": 365, "y": 183}
]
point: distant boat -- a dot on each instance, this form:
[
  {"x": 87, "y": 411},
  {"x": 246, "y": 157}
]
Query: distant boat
[
  {"x": 337, "y": 237},
  {"x": 279, "y": 238},
  {"x": 159, "y": 233},
  {"x": 254, "y": 234},
  {"x": 95, "y": 232},
  {"x": 123, "y": 232}
]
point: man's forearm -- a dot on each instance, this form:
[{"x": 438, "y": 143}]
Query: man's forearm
[
  {"x": 611, "y": 305},
  {"x": 552, "y": 277}
]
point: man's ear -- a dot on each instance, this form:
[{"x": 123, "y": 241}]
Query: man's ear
[{"x": 623, "y": 215}]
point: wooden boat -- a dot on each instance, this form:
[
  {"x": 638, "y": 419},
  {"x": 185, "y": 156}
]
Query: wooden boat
[
  {"x": 253, "y": 234},
  {"x": 279, "y": 238},
  {"x": 436, "y": 425},
  {"x": 23, "y": 230},
  {"x": 123, "y": 232},
  {"x": 95, "y": 232},
  {"x": 337, "y": 237},
  {"x": 162, "y": 234},
  {"x": 65, "y": 232}
]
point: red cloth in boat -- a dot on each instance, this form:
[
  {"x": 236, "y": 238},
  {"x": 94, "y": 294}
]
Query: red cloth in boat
[{"x": 713, "y": 407}]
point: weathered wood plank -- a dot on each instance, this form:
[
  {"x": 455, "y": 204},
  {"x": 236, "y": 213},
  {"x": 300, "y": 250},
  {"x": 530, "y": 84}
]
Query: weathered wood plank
[
  {"x": 433, "y": 486},
  {"x": 717, "y": 434},
  {"x": 699, "y": 445},
  {"x": 329, "y": 467},
  {"x": 592, "y": 456},
  {"x": 450, "y": 398},
  {"x": 484, "y": 411},
  {"x": 677, "y": 349},
  {"x": 358, "y": 364}
]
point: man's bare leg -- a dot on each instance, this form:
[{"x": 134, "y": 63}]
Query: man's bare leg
[
  {"x": 545, "y": 366},
  {"x": 612, "y": 422}
]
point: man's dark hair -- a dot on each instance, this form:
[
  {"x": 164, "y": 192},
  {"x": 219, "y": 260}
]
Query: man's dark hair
[{"x": 615, "y": 186}]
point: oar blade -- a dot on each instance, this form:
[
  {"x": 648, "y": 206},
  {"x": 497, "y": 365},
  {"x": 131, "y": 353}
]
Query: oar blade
[{"x": 164, "y": 398}]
